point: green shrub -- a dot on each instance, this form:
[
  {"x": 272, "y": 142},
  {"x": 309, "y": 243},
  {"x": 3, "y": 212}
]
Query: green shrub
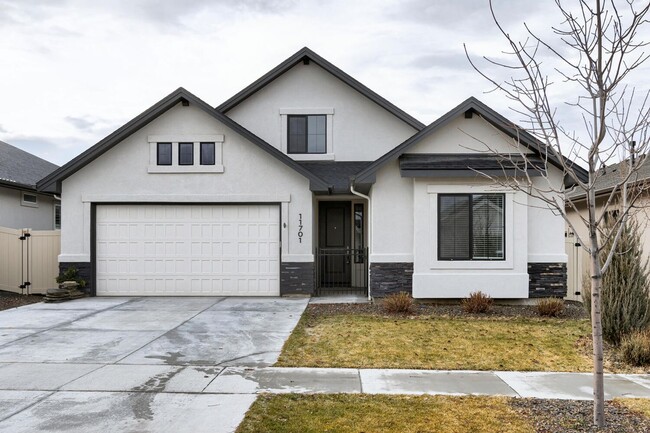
[
  {"x": 550, "y": 307},
  {"x": 478, "y": 302},
  {"x": 625, "y": 304},
  {"x": 635, "y": 348},
  {"x": 398, "y": 303},
  {"x": 71, "y": 274}
]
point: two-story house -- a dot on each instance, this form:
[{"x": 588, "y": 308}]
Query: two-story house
[{"x": 304, "y": 182}]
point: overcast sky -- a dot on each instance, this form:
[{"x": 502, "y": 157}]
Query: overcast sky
[{"x": 72, "y": 71}]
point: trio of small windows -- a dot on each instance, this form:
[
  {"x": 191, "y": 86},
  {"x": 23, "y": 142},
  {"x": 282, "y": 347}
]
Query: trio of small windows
[{"x": 186, "y": 153}]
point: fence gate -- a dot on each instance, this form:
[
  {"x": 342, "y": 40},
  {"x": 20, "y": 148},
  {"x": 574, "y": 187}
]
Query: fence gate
[
  {"x": 28, "y": 260},
  {"x": 575, "y": 255},
  {"x": 341, "y": 271}
]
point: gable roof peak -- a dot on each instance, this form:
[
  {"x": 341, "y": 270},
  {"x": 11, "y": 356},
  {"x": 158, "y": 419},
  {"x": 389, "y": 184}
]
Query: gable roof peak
[{"x": 296, "y": 58}]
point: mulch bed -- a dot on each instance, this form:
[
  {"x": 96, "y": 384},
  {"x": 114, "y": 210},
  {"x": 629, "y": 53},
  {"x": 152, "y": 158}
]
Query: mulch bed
[
  {"x": 13, "y": 300},
  {"x": 572, "y": 310},
  {"x": 569, "y": 416}
]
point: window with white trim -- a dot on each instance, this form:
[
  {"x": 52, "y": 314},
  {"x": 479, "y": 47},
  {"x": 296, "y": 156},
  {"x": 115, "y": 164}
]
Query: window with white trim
[
  {"x": 57, "y": 217},
  {"x": 186, "y": 153},
  {"x": 471, "y": 227},
  {"x": 28, "y": 199}
]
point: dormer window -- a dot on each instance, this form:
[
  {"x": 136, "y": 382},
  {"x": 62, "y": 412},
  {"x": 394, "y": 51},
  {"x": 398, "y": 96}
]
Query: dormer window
[{"x": 307, "y": 134}]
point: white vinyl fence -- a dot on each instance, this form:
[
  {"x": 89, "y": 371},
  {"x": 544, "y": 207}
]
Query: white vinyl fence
[{"x": 28, "y": 259}]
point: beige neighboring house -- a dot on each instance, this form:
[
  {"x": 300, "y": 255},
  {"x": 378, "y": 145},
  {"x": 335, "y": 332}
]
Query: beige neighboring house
[{"x": 609, "y": 177}]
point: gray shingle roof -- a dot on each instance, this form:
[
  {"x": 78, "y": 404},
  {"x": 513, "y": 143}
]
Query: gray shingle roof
[
  {"x": 23, "y": 168},
  {"x": 336, "y": 174},
  {"x": 611, "y": 175}
]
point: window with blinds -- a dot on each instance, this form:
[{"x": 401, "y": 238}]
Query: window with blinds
[{"x": 471, "y": 227}]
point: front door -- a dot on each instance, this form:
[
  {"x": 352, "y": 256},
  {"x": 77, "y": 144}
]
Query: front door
[{"x": 334, "y": 243}]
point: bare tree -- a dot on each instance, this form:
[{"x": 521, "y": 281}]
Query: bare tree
[{"x": 593, "y": 51}]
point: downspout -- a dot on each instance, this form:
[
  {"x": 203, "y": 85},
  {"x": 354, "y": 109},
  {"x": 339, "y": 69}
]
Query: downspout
[{"x": 358, "y": 194}]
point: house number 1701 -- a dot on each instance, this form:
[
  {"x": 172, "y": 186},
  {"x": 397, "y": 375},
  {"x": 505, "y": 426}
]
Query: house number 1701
[{"x": 300, "y": 233}]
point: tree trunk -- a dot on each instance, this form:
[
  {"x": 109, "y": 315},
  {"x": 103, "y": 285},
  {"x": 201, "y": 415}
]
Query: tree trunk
[{"x": 597, "y": 330}]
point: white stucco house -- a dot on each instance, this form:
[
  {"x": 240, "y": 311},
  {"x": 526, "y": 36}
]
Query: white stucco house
[{"x": 305, "y": 182}]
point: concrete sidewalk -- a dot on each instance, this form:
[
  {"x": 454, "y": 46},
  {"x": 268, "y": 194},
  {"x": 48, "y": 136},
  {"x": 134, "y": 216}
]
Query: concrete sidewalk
[{"x": 201, "y": 380}]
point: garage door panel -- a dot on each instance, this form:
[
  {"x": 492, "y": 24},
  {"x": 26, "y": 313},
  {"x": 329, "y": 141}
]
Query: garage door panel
[{"x": 210, "y": 250}]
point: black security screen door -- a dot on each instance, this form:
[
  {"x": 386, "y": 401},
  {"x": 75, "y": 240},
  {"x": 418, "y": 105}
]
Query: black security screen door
[{"x": 334, "y": 243}]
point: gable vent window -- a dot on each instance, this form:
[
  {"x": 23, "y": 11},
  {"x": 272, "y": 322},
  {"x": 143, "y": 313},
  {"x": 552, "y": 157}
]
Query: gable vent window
[
  {"x": 307, "y": 134},
  {"x": 471, "y": 227},
  {"x": 207, "y": 153},
  {"x": 164, "y": 154},
  {"x": 29, "y": 200},
  {"x": 185, "y": 153}
]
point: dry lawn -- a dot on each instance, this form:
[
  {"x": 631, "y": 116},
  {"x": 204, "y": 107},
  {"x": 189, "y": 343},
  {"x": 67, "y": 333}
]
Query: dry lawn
[
  {"x": 638, "y": 405},
  {"x": 440, "y": 343},
  {"x": 342, "y": 413}
]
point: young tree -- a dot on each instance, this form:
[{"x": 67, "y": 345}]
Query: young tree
[{"x": 592, "y": 53}]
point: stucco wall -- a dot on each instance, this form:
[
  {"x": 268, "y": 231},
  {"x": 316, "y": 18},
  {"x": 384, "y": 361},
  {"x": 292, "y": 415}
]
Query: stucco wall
[
  {"x": 250, "y": 175},
  {"x": 362, "y": 130},
  {"x": 16, "y": 216},
  {"x": 391, "y": 217},
  {"x": 462, "y": 135},
  {"x": 404, "y": 215}
]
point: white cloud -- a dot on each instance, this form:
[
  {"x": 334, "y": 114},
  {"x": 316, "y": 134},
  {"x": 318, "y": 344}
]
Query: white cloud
[{"x": 77, "y": 70}]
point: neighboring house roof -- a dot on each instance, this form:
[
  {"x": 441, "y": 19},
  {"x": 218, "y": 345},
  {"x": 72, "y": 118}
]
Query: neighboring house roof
[
  {"x": 467, "y": 165},
  {"x": 611, "y": 176},
  {"x": 21, "y": 169},
  {"x": 336, "y": 174},
  {"x": 53, "y": 181},
  {"x": 471, "y": 105},
  {"x": 305, "y": 54}
]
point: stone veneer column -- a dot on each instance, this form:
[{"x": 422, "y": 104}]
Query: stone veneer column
[
  {"x": 84, "y": 269},
  {"x": 387, "y": 278},
  {"x": 547, "y": 280},
  {"x": 297, "y": 278}
]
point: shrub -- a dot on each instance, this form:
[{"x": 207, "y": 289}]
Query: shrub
[
  {"x": 478, "y": 302},
  {"x": 398, "y": 303},
  {"x": 625, "y": 304},
  {"x": 550, "y": 307},
  {"x": 635, "y": 348},
  {"x": 71, "y": 274}
]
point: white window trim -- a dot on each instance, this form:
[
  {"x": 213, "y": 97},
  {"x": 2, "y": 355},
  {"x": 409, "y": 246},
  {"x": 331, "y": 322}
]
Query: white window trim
[
  {"x": 28, "y": 203},
  {"x": 508, "y": 263},
  {"x": 56, "y": 205},
  {"x": 329, "y": 152},
  {"x": 217, "y": 139}
]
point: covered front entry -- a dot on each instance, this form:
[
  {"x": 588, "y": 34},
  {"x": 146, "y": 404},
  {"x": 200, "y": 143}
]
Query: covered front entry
[
  {"x": 341, "y": 255},
  {"x": 183, "y": 249}
]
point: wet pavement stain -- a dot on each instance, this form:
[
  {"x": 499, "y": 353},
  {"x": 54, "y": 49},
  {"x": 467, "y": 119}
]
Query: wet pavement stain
[{"x": 141, "y": 402}]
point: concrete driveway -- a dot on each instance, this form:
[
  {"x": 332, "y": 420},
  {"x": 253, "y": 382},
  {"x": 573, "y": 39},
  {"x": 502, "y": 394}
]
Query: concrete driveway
[{"x": 134, "y": 364}]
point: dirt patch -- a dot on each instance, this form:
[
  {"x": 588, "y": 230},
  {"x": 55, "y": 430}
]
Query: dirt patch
[
  {"x": 12, "y": 300},
  {"x": 570, "y": 416}
]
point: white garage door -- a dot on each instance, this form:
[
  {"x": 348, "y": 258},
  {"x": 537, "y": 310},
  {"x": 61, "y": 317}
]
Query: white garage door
[{"x": 187, "y": 250}]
